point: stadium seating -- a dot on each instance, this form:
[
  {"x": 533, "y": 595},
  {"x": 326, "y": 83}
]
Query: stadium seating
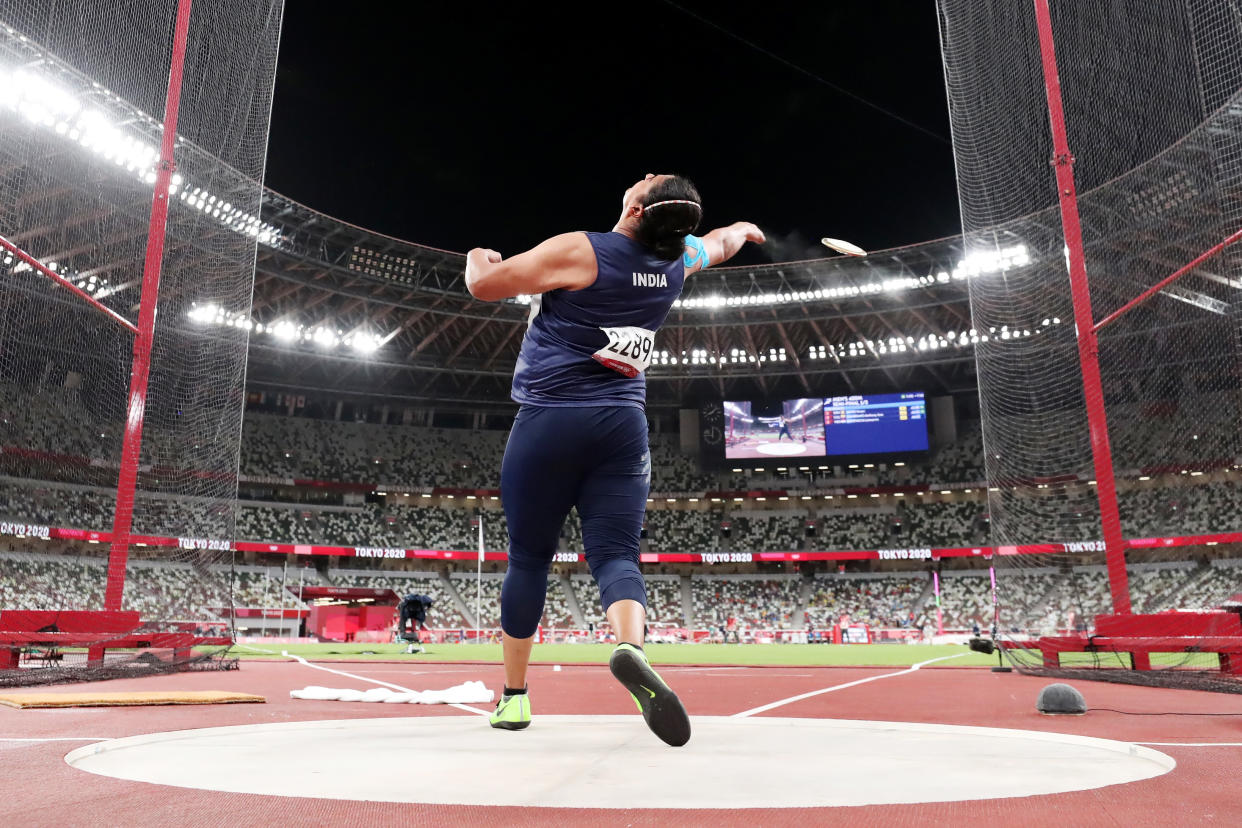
[
  {"x": 663, "y": 599},
  {"x": 411, "y": 523},
  {"x": 1024, "y": 594},
  {"x": 753, "y": 601},
  {"x": 1221, "y": 581},
  {"x": 754, "y": 531},
  {"x": 690, "y": 530},
  {"x": 413, "y": 526},
  {"x": 56, "y": 420},
  {"x": 159, "y": 590},
  {"x": 489, "y": 604},
  {"x": 587, "y": 595},
  {"x": 276, "y": 448},
  {"x": 30, "y": 581},
  {"x": 300, "y": 448},
  {"x": 1050, "y": 600},
  {"x": 880, "y": 601},
  {"x": 297, "y": 448}
]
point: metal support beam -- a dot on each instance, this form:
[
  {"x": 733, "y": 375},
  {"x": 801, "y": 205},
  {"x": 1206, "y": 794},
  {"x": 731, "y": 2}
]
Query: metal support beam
[
  {"x": 750, "y": 339},
  {"x": 431, "y": 337},
  {"x": 792, "y": 354}
]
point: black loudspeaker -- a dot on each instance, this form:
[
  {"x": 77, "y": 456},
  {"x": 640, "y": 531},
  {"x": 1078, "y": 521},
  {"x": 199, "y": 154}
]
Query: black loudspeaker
[{"x": 987, "y": 646}]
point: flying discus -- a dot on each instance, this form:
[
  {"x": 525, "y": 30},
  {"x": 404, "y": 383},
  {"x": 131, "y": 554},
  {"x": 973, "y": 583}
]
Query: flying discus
[{"x": 843, "y": 247}]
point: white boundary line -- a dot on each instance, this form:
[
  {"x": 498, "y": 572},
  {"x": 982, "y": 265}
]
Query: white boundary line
[
  {"x": 59, "y": 739},
  {"x": 1192, "y": 744},
  {"x": 306, "y": 663},
  {"x": 255, "y": 649},
  {"x": 423, "y": 672},
  {"x": 835, "y": 687},
  {"x": 706, "y": 669}
]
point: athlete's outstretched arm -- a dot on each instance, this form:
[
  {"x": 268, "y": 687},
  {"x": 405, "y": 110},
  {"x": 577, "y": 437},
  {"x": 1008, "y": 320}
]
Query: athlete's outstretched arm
[
  {"x": 721, "y": 244},
  {"x": 564, "y": 261}
]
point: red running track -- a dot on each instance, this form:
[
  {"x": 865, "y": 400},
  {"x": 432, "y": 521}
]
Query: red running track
[{"x": 40, "y": 789}]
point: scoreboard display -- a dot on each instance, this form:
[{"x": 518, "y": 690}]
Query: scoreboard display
[
  {"x": 875, "y": 424},
  {"x": 858, "y": 425}
]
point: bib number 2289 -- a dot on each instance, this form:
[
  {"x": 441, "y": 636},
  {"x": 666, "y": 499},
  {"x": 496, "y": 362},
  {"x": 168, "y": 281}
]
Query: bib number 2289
[{"x": 629, "y": 350}]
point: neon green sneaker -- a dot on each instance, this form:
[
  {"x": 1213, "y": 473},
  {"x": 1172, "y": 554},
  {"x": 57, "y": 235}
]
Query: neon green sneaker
[
  {"x": 512, "y": 712},
  {"x": 661, "y": 708}
]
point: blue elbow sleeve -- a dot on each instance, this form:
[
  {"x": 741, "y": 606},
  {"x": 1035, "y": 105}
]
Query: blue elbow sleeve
[{"x": 696, "y": 253}]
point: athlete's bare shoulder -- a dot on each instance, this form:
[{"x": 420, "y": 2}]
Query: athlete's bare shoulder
[{"x": 564, "y": 261}]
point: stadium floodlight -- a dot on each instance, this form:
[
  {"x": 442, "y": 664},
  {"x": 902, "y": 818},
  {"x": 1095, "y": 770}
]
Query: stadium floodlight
[
  {"x": 203, "y": 314},
  {"x": 978, "y": 263},
  {"x": 364, "y": 343},
  {"x": 324, "y": 337},
  {"x": 285, "y": 331},
  {"x": 45, "y": 104}
]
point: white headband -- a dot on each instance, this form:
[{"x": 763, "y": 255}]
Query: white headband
[{"x": 674, "y": 201}]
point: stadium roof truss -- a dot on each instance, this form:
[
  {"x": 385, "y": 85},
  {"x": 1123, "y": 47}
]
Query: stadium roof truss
[
  {"x": 441, "y": 345},
  {"x": 897, "y": 319}
]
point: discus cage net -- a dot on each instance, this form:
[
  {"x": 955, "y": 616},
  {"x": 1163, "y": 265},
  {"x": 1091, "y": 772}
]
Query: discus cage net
[
  {"x": 133, "y": 136},
  {"x": 1099, "y": 153}
]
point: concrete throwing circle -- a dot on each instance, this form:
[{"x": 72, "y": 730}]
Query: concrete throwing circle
[
  {"x": 781, "y": 449},
  {"x": 614, "y": 762}
]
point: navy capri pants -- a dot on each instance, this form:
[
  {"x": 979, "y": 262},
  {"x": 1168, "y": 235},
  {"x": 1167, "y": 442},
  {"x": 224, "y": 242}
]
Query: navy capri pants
[{"x": 595, "y": 458}]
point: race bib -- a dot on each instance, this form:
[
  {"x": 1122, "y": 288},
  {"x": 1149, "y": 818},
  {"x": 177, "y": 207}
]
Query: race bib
[{"x": 629, "y": 350}]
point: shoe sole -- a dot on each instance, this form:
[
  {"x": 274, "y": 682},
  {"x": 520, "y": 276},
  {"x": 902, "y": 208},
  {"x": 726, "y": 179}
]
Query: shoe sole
[{"x": 661, "y": 708}]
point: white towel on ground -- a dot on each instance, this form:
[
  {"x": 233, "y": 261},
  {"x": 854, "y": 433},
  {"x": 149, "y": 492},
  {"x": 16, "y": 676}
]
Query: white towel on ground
[{"x": 471, "y": 692}]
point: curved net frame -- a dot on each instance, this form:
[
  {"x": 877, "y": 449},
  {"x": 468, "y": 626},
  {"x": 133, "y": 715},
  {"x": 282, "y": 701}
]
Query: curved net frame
[
  {"x": 133, "y": 137},
  {"x": 1102, "y": 143}
]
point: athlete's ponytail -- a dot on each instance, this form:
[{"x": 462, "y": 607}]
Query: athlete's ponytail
[{"x": 671, "y": 211}]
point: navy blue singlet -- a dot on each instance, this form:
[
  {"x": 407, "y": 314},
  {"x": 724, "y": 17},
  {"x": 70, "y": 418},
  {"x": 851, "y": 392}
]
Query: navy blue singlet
[{"x": 556, "y": 366}]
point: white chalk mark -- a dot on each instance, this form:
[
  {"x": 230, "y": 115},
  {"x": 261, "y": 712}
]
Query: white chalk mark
[
  {"x": 835, "y": 687},
  {"x": 306, "y": 663}
]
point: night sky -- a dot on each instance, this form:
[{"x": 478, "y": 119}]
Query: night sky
[{"x": 485, "y": 124}]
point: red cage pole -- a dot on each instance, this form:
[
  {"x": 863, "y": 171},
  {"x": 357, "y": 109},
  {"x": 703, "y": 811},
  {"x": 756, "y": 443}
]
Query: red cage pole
[
  {"x": 39, "y": 267},
  {"x": 1088, "y": 347},
  {"x": 131, "y": 448},
  {"x": 1232, "y": 238}
]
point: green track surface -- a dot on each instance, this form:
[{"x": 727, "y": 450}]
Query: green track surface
[{"x": 749, "y": 655}]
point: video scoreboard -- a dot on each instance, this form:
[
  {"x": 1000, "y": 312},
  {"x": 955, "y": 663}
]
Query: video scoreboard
[
  {"x": 875, "y": 424},
  {"x": 856, "y": 425}
]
